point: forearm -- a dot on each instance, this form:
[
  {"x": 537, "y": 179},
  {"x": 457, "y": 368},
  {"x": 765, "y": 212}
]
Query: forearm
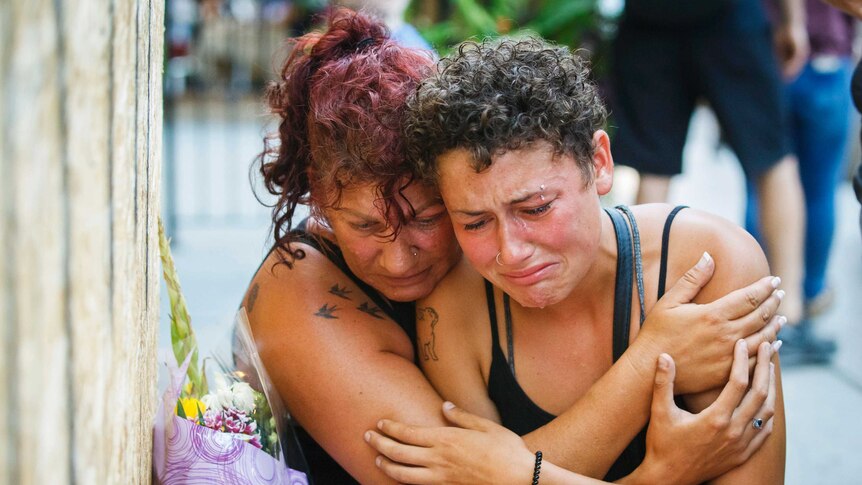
[
  {"x": 589, "y": 436},
  {"x": 766, "y": 466},
  {"x": 555, "y": 475}
]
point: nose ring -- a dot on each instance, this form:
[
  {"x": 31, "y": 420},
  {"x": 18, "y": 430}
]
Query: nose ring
[{"x": 497, "y": 258}]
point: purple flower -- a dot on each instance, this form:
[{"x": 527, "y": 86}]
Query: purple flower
[
  {"x": 232, "y": 424},
  {"x": 213, "y": 420},
  {"x": 255, "y": 441}
]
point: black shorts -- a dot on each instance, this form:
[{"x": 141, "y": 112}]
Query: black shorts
[{"x": 658, "y": 77}]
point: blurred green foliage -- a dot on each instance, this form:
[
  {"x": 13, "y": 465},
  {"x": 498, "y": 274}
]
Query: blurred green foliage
[{"x": 445, "y": 23}]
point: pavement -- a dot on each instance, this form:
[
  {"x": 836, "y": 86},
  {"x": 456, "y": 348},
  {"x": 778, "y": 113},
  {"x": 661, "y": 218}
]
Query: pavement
[{"x": 215, "y": 261}]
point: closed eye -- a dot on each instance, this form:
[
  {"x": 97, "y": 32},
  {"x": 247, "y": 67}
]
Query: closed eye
[
  {"x": 474, "y": 226},
  {"x": 364, "y": 226},
  {"x": 429, "y": 221},
  {"x": 538, "y": 210}
]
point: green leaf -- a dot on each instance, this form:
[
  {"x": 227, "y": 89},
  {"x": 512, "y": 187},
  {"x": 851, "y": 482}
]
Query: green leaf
[
  {"x": 180, "y": 411},
  {"x": 561, "y": 14},
  {"x": 183, "y": 338},
  {"x": 205, "y": 387},
  {"x": 477, "y": 18}
]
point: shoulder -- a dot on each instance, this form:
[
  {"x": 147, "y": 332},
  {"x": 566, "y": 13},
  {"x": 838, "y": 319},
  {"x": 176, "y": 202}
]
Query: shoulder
[
  {"x": 739, "y": 259},
  {"x": 456, "y": 313},
  {"x": 454, "y": 340},
  {"x": 461, "y": 285},
  {"x": 312, "y": 295}
]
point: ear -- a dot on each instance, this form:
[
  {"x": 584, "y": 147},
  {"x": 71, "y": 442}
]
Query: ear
[{"x": 603, "y": 162}]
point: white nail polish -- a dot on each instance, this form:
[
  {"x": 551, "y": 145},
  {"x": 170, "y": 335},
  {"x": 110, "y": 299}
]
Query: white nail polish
[
  {"x": 780, "y": 294},
  {"x": 782, "y": 321},
  {"x": 704, "y": 260},
  {"x": 777, "y": 345},
  {"x": 776, "y": 281}
]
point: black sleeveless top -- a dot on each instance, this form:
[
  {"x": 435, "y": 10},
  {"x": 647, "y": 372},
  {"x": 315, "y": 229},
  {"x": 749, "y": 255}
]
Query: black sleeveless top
[
  {"x": 322, "y": 468},
  {"x": 517, "y": 411}
]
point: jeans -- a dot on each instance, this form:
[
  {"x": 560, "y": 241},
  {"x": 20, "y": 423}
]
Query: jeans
[{"x": 818, "y": 103}]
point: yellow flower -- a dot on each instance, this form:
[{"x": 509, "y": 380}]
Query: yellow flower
[{"x": 191, "y": 407}]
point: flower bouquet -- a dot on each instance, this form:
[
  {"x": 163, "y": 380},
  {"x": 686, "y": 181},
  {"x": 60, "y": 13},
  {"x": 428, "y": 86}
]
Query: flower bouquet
[{"x": 226, "y": 434}]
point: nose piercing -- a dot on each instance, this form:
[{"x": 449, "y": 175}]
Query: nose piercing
[
  {"x": 414, "y": 250},
  {"x": 497, "y": 258}
]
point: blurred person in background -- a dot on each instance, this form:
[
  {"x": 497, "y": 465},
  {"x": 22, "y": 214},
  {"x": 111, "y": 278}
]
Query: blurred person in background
[
  {"x": 818, "y": 110},
  {"x": 854, "y": 8},
  {"x": 666, "y": 56},
  {"x": 331, "y": 306}
]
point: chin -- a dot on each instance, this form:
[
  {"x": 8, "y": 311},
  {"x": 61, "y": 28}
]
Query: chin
[
  {"x": 412, "y": 293},
  {"x": 537, "y": 299}
]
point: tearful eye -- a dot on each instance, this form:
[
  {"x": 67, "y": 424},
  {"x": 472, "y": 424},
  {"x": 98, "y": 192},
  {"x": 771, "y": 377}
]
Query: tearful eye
[
  {"x": 538, "y": 210},
  {"x": 474, "y": 225}
]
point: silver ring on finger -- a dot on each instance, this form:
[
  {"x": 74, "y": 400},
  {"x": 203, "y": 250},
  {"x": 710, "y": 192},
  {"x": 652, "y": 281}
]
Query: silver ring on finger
[{"x": 757, "y": 423}]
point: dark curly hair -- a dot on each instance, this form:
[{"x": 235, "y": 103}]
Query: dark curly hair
[
  {"x": 340, "y": 99},
  {"x": 500, "y": 95}
]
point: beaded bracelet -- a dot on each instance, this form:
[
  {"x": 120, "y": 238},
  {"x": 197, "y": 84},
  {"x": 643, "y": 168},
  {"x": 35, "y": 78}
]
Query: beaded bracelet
[{"x": 537, "y": 468}]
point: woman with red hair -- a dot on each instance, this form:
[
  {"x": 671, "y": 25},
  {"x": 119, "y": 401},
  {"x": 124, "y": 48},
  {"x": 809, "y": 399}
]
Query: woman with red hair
[{"x": 331, "y": 307}]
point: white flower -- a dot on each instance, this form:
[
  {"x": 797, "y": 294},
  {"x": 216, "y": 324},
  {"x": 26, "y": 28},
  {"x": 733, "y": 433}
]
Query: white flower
[
  {"x": 212, "y": 402},
  {"x": 225, "y": 398},
  {"x": 243, "y": 397},
  {"x": 238, "y": 396}
]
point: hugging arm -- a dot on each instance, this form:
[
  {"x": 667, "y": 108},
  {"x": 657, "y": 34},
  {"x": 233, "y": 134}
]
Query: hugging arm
[
  {"x": 588, "y": 437},
  {"x": 700, "y": 338},
  {"x": 745, "y": 262},
  {"x": 337, "y": 361},
  {"x": 479, "y": 450}
]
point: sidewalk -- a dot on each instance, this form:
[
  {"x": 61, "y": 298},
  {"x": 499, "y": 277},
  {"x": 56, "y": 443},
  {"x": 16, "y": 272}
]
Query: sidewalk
[{"x": 824, "y": 431}]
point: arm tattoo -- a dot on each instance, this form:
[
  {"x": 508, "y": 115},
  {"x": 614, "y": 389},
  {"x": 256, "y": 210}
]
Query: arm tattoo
[
  {"x": 327, "y": 311},
  {"x": 340, "y": 291},
  {"x": 252, "y": 297},
  {"x": 370, "y": 309},
  {"x": 428, "y": 345}
]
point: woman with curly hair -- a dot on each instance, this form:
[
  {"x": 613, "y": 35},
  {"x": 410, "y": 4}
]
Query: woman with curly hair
[
  {"x": 331, "y": 307},
  {"x": 512, "y": 133}
]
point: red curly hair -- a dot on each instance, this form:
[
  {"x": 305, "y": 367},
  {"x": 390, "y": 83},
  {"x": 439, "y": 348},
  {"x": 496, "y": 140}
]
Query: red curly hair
[{"x": 340, "y": 99}]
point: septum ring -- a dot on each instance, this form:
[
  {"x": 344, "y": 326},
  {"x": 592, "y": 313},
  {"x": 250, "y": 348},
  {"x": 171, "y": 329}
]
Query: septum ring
[
  {"x": 757, "y": 423},
  {"x": 497, "y": 258}
]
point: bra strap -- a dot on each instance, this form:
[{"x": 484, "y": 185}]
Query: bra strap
[
  {"x": 622, "y": 288},
  {"x": 665, "y": 240}
]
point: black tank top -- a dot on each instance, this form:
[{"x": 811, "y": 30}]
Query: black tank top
[
  {"x": 321, "y": 467},
  {"x": 517, "y": 411}
]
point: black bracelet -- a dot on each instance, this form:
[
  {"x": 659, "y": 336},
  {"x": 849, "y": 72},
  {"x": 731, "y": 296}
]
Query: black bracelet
[{"x": 537, "y": 468}]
